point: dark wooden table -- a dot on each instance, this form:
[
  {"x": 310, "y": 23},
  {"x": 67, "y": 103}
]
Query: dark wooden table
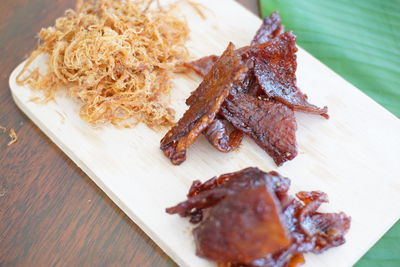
[{"x": 51, "y": 213}]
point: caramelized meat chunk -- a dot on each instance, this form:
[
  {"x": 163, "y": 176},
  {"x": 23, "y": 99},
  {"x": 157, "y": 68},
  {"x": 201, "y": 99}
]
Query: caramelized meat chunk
[
  {"x": 202, "y": 65},
  {"x": 214, "y": 89},
  {"x": 232, "y": 230},
  {"x": 242, "y": 227},
  {"x": 218, "y": 135},
  {"x": 204, "y": 195},
  {"x": 275, "y": 66},
  {"x": 271, "y": 124},
  {"x": 246, "y": 84},
  {"x": 270, "y": 28},
  {"x": 260, "y": 101}
]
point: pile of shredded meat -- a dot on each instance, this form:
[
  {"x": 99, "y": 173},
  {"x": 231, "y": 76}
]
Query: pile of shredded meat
[
  {"x": 247, "y": 218},
  {"x": 257, "y": 96},
  {"x": 117, "y": 57}
]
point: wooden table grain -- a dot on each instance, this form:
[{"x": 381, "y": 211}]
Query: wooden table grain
[{"x": 51, "y": 213}]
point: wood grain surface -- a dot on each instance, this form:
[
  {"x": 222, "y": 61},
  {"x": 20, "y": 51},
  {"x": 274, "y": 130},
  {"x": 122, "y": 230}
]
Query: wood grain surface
[{"x": 51, "y": 213}]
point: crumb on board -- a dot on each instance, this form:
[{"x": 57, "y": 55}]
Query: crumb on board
[
  {"x": 3, "y": 129},
  {"x": 13, "y": 136}
]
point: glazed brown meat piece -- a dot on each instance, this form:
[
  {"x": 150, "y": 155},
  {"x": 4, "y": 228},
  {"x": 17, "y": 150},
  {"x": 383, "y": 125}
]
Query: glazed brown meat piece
[
  {"x": 202, "y": 65},
  {"x": 218, "y": 135},
  {"x": 251, "y": 106},
  {"x": 222, "y": 204},
  {"x": 270, "y": 124},
  {"x": 209, "y": 193},
  {"x": 274, "y": 68},
  {"x": 242, "y": 227},
  {"x": 214, "y": 89},
  {"x": 270, "y": 28}
]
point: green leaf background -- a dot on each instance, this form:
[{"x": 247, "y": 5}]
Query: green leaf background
[{"x": 359, "y": 40}]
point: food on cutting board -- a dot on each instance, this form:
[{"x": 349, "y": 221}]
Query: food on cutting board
[
  {"x": 116, "y": 57},
  {"x": 247, "y": 218},
  {"x": 213, "y": 89},
  {"x": 260, "y": 102}
]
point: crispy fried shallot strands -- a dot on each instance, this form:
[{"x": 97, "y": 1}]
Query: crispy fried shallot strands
[
  {"x": 13, "y": 136},
  {"x": 116, "y": 57}
]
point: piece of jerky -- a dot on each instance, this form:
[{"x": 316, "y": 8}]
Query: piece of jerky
[
  {"x": 308, "y": 229},
  {"x": 218, "y": 135},
  {"x": 209, "y": 193},
  {"x": 241, "y": 85},
  {"x": 270, "y": 124},
  {"x": 270, "y": 28},
  {"x": 240, "y": 227},
  {"x": 202, "y": 65},
  {"x": 274, "y": 68},
  {"x": 311, "y": 231},
  {"x": 214, "y": 88}
]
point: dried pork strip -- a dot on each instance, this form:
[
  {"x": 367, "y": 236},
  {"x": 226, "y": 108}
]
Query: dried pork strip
[
  {"x": 202, "y": 65},
  {"x": 214, "y": 89},
  {"x": 217, "y": 134},
  {"x": 274, "y": 68},
  {"x": 209, "y": 193},
  {"x": 251, "y": 228},
  {"x": 272, "y": 125},
  {"x": 230, "y": 203},
  {"x": 269, "y": 29}
]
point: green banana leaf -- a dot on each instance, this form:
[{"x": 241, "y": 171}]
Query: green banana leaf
[{"x": 359, "y": 40}]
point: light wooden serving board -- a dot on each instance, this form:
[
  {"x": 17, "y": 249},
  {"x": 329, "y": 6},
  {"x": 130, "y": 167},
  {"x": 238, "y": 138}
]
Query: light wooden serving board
[{"x": 354, "y": 156}]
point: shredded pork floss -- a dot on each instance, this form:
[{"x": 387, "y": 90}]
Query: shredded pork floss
[{"x": 116, "y": 57}]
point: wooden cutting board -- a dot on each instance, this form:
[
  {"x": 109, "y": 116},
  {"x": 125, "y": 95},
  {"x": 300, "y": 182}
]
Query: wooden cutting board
[{"x": 354, "y": 156}]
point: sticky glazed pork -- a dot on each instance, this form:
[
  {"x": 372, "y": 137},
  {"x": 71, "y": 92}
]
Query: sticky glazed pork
[
  {"x": 247, "y": 218},
  {"x": 248, "y": 91}
]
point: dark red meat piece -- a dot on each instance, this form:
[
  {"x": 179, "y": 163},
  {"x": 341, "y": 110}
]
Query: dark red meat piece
[
  {"x": 228, "y": 200},
  {"x": 218, "y": 135},
  {"x": 242, "y": 227},
  {"x": 205, "y": 195},
  {"x": 270, "y": 124},
  {"x": 214, "y": 89},
  {"x": 274, "y": 68},
  {"x": 270, "y": 28},
  {"x": 252, "y": 104},
  {"x": 202, "y": 65}
]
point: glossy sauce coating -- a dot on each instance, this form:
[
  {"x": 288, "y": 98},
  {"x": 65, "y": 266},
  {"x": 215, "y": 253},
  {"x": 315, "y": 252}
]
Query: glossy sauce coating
[
  {"x": 215, "y": 202},
  {"x": 239, "y": 228},
  {"x": 270, "y": 124},
  {"x": 219, "y": 137},
  {"x": 202, "y": 65},
  {"x": 251, "y": 106},
  {"x": 269, "y": 29},
  {"x": 214, "y": 89},
  {"x": 275, "y": 67}
]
